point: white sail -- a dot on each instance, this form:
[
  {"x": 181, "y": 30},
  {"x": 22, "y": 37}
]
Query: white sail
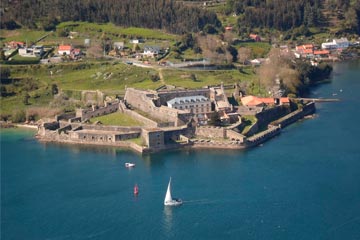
[
  {"x": 169, "y": 201},
  {"x": 168, "y": 197}
]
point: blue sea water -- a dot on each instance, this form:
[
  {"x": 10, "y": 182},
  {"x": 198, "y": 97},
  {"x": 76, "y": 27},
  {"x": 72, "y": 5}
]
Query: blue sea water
[{"x": 303, "y": 184}]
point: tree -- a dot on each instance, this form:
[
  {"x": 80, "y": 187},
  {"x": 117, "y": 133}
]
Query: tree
[
  {"x": 210, "y": 29},
  {"x": 233, "y": 52},
  {"x": 54, "y": 89},
  {"x": 26, "y": 98},
  {"x": 243, "y": 54},
  {"x": 351, "y": 20},
  {"x": 4, "y": 73},
  {"x": 188, "y": 40},
  {"x": 215, "y": 119}
]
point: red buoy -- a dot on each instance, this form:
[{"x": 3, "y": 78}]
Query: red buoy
[{"x": 136, "y": 189}]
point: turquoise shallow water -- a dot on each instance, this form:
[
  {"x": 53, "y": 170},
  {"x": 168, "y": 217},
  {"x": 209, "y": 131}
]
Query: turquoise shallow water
[{"x": 303, "y": 184}]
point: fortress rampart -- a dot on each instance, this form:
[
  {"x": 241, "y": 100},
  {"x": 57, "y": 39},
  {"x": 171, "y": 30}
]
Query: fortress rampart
[{"x": 109, "y": 107}]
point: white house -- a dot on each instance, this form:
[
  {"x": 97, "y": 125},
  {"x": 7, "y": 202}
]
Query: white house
[
  {"x": 341, "y": 43},
  {"x": 151, "y": 51},
  {"x": 194, "y": 104},
  {"x": 34, "y": 51},
  {"x": 64, "y": 50},
  {"x": 136, "y": 41},
  {"x": 329, "y": 45}
]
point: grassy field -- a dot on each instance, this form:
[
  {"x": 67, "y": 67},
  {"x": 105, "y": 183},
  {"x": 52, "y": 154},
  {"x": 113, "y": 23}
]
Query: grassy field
[
  {"x": 22, "y": 35},
  {"x": 93, "y": 29},
  {"x": 258, "y": 49},
  {"x": 117, "y": 118},
  {"x": 200, "y": 78}
]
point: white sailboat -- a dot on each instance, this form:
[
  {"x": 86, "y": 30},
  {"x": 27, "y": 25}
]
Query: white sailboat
[{"x": 169, "y": 201}]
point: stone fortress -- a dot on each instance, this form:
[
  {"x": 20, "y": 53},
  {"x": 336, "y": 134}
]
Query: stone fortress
[{"x": 175, "y": 118}]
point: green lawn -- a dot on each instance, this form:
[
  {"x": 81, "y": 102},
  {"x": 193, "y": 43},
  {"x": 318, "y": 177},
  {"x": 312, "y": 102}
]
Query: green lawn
[
  {"x": 258, "y": 49},
  {"x": 117, "y": 118},
  {"x": 109, "y": 28},
  {"x": 24, "y": 35},
  {"x": 183, "y": 78},
  {"x": 248, "y": 122}
]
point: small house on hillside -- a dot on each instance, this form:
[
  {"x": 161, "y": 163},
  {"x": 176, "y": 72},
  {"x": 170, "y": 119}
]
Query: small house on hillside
[
  {"x": 64, "y": 49},
  {"x": 119, "y": 45},
  {"x": 15, "y": 44},
  {"x": 255, "y": 37},
  {"x": 151, "y": 51},
  {"x": 136, "y": 41}
]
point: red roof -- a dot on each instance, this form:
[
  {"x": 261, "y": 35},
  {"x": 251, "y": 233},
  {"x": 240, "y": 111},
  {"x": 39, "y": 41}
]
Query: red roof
[
  {"x": 284, "y": 100},
  {"x": 64, "y": 47},
  {"x": 304, "y": 47},
  {"x": 321, "y": 52},
  {"x": 255, "y": 101},
  {"x": 267, "y": 100},
  {"x": 308, "y": 51},
  {"x": 308, "y": 46}
]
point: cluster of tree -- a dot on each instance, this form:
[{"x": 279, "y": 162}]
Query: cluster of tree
[
  {"x": 290, "y": 14},
  {"x": 294, "y": 76},
  {"x": 275, "y": 14},
  {"x": 157, "y": 14}
]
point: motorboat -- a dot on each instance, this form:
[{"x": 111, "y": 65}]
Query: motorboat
[{"x": 129, "y": 165}]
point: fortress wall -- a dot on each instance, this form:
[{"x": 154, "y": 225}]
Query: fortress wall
[
  {"x": 110, "y": 128},
  {"x": 268, "y": 115},
  {"x": 296, "y": 115},
  {"x": 253, "y": 129},
  {"x": 64, "y": 116},
  {"x": 153, "y": 138},
  {"x": 138, "y": 99},
  {"x": 262, "y": 136},
  {"x": 89, "y": 113},
  {"x": 174, "y": 135},
  {"x": 211, "y": 132},
  {"x": 147, "y": 122},
  {"x": 231, "y": 134}
]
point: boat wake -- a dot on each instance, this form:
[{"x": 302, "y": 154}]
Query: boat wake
[{"x": 200, "y": 202}]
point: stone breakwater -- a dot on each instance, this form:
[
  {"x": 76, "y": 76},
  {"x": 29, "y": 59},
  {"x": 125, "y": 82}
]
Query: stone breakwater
[{"x": 154, "y": 139}]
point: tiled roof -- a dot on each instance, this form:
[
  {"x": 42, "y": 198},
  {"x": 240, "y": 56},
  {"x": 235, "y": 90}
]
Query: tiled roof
[
  {"x": 284, "y": 100},
  {"x": 64, "y": 48},
  {"x": 321, "y": 52},
  {"x": 255, "y": 101}
]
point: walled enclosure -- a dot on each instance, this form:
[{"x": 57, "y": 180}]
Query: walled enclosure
[{"x": 144, "y": 101}]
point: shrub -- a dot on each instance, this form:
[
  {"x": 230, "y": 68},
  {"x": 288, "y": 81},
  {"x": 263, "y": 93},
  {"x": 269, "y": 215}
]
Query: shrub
[{"x": 18, "y": 116}]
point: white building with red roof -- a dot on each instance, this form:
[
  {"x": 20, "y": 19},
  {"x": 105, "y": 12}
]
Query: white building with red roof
[{"x": 64, "y": 49}]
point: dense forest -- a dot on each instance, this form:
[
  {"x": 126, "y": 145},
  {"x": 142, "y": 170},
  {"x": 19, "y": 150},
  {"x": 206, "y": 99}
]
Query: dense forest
[
  {"x": 285, "y": 15},
  {"x": 177, "y": 17},
  {"x": 169, "y": 15}
]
